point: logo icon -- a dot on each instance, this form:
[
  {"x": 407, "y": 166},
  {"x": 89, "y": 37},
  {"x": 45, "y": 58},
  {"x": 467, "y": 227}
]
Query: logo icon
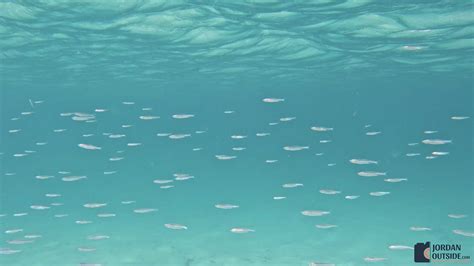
[{"x": 422, "y": 252}]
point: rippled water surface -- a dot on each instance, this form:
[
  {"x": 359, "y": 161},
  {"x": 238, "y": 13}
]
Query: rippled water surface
[{"x": 258, "y": 132}]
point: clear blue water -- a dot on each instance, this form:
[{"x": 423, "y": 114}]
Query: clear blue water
[{"x": 353, "y": 67}]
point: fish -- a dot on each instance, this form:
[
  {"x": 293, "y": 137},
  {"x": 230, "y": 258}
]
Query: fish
[
  {"x": 326, "y": 226},
  {"x": 436, "y": 141},
  {"x": 379, "y": 193},
  {"x": 148, "y": 117},
  {"x": 238, "y": 230},
  {"x": 374, "y": 259},
  {"x": 362, "y": 161},
  {"x": 279, "y": 198},
  {"x": 371, "y": 173},
  {"x": 329, "y": 191},
  {"x": 273, "y": 100},
  {"x": 440, "y": 153},
  {"x": 8, "y": 251},
  {"x": 373, "y": 133},
  {"x": 183, "y": 177},
  {"x": 39, "y": 207},
  {"x": 463, "y": 233},
  {"x": 109, "y": 172},
  {"x": 225, "y": 157},
  {"x": 106, "y": 215},
  {"x": 238, "y": 137},
  {"x": 395, "y": 180},
  {"x": 292, "y": 185},
  {"x": 457, "y": 216},
  {"x": 162, "y": 181},
  {"x": 32, "y": 236},
  {"x": 176, "y": 226},
  {"x": 412, "y": 154},
  {"x": 73, "y": 178},
  {"x": 133, "y": 144},
  {"x": 351, "y": 197},
  {"x": 321, "y": 129},
  {"x": 117, "y": 136},
  {"x": 430, "y": 131},
  {"x": 262, "y": 134},
  {"x": 43, "y": 177},
  {"x": 287, "y": 119},
  {"x": 321, "y": 264},
  {"x": 84, "y": 249},
  {"x": 315, "y": 213},
  {"x": 19, "y": 242},
  {"x": 182, "y": 116},
  {"x": 400, "y": 247},
  {"x": 179, "y": 136},
  {"x": 98, "y": 237},
  {"x": 89, "y": 146},
  {"x": 226, "y": 206},
  {"x": 459, "y": 117},
  {"x": 13, "y": 231},
  {"x": 83, "y": 222},
  {"x": 295, "y": 148},
  {"x": 144, "y": 210},
  {"x": 83, "y": 118},
  {"x": 418, "y": 228},
  {"x": 94, "y": 205}
]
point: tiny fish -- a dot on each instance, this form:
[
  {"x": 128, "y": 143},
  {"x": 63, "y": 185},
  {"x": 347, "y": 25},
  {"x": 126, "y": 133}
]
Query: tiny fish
[
  {"x": 182, "y": 116},
  {"x": 273, "y": 100},
  {"x": 238, "y": 230},
  {"x": 379, "y": 193},
  {"x": 436, "y": 141},
  {"x": 314, "y": 213},
  {"x": 362, "y": 161},
  {"x": 371, "y": 174},
  {"x": 295, "y": 148},
  {"x": 226, "y": 206},
  {"x": 176, "y": 226},
  {"x": 89, "y": 147}
]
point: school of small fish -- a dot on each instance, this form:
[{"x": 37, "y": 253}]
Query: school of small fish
[{"x": 368, "y": 170}]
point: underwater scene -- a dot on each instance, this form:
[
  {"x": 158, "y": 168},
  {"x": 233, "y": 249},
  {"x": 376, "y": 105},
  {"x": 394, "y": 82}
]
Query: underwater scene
[{"x": 236, "y": 132}]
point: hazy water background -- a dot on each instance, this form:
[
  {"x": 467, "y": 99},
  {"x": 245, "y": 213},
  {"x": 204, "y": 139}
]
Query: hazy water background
[{"x": 340, "y": 64}]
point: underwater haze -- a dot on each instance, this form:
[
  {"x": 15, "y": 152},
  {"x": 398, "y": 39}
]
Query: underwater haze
[{"x": 253, "y": 132}]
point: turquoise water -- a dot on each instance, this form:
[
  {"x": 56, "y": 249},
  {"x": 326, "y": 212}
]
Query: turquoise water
[{"x": 266, "y": 109}]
